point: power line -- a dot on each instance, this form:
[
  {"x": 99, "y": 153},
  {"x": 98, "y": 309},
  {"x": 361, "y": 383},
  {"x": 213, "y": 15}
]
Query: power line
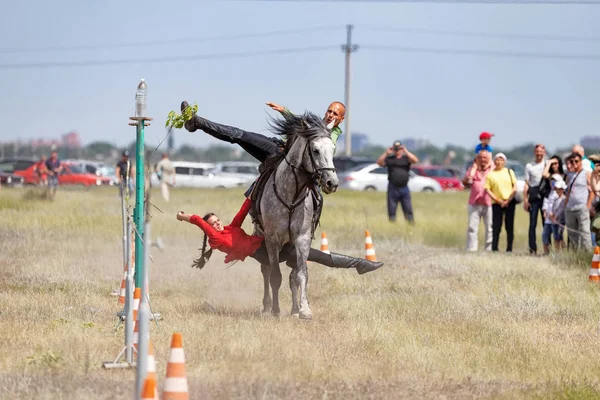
[
  {"x": 528, "y": 2},
  {"x": 479, "y": 34},
  {"x": 89, "y": 63},
  {"x": 483, "y": 52},
  {"x": 165, "y": 42}
]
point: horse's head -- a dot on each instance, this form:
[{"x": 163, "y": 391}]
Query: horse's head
[
  {"x": 310, "y": 148},
  {"x": 317, "y": 158}
]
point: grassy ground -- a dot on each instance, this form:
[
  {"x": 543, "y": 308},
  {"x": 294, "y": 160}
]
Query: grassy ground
[{"x": 434, "y": 322}]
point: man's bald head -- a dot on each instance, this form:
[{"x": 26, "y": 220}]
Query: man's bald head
[
  {"x": 337, "y": 111},
  {"x": 578, "y": 149}
]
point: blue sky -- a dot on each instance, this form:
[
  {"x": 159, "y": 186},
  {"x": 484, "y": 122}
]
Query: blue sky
[{"x": 446, "y": 98}]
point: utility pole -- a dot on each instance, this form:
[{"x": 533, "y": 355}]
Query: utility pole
[{"x": 348, "y": 48}]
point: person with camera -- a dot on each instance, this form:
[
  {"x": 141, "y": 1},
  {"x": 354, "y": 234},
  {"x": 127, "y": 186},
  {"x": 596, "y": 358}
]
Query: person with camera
[{"x": 398, "y": 160}]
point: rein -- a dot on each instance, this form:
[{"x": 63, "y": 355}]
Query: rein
[{"x": 316, "y": 174}]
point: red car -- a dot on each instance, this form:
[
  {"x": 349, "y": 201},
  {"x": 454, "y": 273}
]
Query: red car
[
  {"x": 72, "y": 173},
  {"x": 444, "y": 175}
]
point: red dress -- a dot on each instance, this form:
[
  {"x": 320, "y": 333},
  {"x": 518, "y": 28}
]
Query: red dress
[{"x": 232, "y": 240}]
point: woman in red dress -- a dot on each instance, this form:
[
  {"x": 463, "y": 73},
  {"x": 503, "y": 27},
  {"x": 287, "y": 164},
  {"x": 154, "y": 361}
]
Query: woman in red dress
[{"x": 233, "y": 241}]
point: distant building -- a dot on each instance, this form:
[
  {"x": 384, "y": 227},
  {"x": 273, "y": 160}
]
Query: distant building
[
  {"x": 416, "y": 143},
  {"x": 71, "y": 140},
  {"x": 591, "y": 142}
]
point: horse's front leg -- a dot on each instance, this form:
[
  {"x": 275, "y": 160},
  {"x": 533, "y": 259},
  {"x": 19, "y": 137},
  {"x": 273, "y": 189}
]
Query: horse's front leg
[
  {"x": 275, "y": 285},
  {"x": 274, "y": 279},
  {"x": 294, "y": 289},
  {"x": 302, "y": 249},
  {"x": 267, "y": 301}
]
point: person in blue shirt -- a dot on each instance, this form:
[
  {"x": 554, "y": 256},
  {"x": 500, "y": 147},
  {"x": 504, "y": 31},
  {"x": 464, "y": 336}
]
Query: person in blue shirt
[
  {"x": 484, "y": 144},
  {"x": 484, "y": 138}
]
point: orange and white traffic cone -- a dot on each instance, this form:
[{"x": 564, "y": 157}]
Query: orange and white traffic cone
[
  {"x": 123, "y": 292},
  {"x": 136, "y": 335},
  {"x": 324, "y": 243},
  {"x": 137, "y": 296},
  {"x": 594, "y": 270},
  {"x": 176, "y": 385},
  {"x": 151, "y": 371},
  {"x": 369, "y": 248},
  {"x": 149, "y": 391}
]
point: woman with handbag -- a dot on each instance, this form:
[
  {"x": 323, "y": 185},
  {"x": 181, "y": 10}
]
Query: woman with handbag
[{"x": 501, "y": 185}]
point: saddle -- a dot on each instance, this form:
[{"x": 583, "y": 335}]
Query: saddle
[{"x": 266, "y": 169}]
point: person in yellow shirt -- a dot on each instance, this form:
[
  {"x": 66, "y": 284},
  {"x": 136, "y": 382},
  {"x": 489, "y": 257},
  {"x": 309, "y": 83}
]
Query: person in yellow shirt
[{"x": 501, "y": 185}]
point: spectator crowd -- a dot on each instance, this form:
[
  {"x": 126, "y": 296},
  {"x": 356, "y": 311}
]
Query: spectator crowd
[{"x": 563, "y": 194}]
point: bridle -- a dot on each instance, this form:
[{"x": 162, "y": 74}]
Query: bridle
[{"x": 316, "y": 175}]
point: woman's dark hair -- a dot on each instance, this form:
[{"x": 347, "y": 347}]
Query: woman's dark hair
[
  {"x": 560, "y": 165},
  {"x": 205, "y": 256}
]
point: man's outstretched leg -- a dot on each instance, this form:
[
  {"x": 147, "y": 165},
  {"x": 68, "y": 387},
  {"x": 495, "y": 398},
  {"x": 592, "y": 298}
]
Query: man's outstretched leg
[{"x": 257, "y": 145}]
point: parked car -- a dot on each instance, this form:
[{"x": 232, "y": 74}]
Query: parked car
[
  {"x": 372, "y": 177},
  {"x": 247, "y": 170},
  {"x": 74, "y": 174},
  {"x": 199, "y": 175},
  {"x": 444, "y": 175},
  {"x": 11, "y": 180},
  {"x": 346, "y": 163},
  {"x": 21, "y": 166},
  {"x": 96, "y": 168}
]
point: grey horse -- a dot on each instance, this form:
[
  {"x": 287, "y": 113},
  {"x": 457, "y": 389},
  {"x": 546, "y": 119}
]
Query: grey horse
[{"x": 286, "y": 206}]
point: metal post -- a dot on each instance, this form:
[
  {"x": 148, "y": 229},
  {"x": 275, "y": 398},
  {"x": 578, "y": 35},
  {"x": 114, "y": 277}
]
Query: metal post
[
  {"x": 348, "y": 48},
  {"x": 139, "y": 204},
  {"x": 129, "y": 302},
  {"x": 144, "y": 321},
  {"x": 142, "y": 358},
  {"x": 127, "y": 350}
]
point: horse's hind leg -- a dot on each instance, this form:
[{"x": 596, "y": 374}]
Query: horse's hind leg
[
  {"x": 267, "y": 301},
  {"x": 275, "y": 285}
]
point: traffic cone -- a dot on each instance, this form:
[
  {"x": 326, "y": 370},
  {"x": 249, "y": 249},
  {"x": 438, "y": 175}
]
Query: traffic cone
[
  {"x": 123, "y": 292},
  {"x": 151, "y": 371},
  {"x": 176, "y": 385},
  {"x": 324, "y": 243},
  {"x": 137, "y": 296},
  {"x": 149, "y": 392},
  {"x": 594, "y": 270},
  {"x": 369, "y": 249},
  {"x": 136, "y": 335}
]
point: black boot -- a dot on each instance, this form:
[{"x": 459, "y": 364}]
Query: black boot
[
  {"x": 335, "y": 260},
  {"x": 189, "y": 125}
]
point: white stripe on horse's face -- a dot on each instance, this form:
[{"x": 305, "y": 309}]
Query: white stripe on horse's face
[
  {"x": 331, "y": 124},
  {"x": 322, "y": 152}
]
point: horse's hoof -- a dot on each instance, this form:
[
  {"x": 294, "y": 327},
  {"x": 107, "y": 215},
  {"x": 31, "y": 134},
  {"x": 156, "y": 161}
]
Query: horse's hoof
[
  {"x": 296, "y": 315},
  {"x": 306, "y": 315}
]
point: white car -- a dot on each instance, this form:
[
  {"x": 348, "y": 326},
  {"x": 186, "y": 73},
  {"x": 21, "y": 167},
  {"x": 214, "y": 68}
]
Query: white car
[
  {"x": 247, "y": 170},
  {"x": 375, "y": 178},
  {"x": 199, "y": 175}
]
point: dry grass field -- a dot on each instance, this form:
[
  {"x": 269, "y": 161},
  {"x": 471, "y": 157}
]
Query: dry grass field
[{"x": 434, "y": 322}]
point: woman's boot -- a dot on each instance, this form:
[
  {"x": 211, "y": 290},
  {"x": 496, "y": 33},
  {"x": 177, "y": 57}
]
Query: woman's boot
[{"x": 335, "y": 260}]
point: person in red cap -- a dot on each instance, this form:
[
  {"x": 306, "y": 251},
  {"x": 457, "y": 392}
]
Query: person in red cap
[
  {"x": 484, "y": 138},
  {"x": 484, "y": 144}
]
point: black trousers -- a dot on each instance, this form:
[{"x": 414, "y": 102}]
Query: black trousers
[
  {"x": 508, "y": 215},
  {"x": 288, "y": 254},
  {"x": 534, "y": 210},
  {"x": 257, "y": 145}
]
